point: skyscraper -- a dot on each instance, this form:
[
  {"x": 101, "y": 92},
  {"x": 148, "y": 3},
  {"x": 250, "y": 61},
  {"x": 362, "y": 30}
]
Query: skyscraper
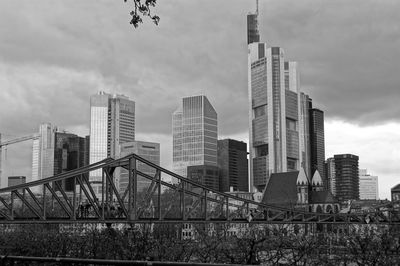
[
  {"x": 276, "y": 115},
  {"x": 232, "y": 162},
  {"x": 368, "y": 186},
  {"x": 112, "y": 122},
  {"x": 195, "y": 134},
  {"x": 331, "y": 175},
  {"x": 347, "y": 179},
  {"x": 69, "y": 154},
  {"x": 317, "y": 141},
  {"x": 147, "y": 150},
  {"x": 43, "y": 153}
]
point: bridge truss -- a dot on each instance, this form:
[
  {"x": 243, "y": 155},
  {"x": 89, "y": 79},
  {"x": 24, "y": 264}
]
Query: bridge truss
[{"x": 179, "y": 200}]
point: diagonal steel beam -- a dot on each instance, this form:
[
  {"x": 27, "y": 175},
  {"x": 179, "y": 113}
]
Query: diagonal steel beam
[
  {"x": 64, "y": 195},
  {"x": 5, "y": 203},
  {"x": 88, "y": 196},
  {"x": 85, "y": 179},
  {"x": 5, "y": 215},
  {"x": 121, "y": 203},
  {"x": 58, "y": 200},
  {"x": 34, "y": 198},
  {"x": 31, "y": 208}
]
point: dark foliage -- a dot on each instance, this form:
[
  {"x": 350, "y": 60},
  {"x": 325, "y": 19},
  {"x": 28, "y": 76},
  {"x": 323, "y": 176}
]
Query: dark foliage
[{"x": 143, "y": 9}]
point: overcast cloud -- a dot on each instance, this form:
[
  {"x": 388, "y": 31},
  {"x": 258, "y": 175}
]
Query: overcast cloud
[{"x": 55, "y": 54}]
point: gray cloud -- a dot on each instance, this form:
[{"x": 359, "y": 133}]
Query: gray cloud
[{"x": 55, "y": 54}]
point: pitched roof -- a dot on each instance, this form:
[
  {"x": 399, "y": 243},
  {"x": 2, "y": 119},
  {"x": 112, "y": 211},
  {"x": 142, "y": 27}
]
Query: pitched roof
[
  {"x": 322, "y": 197},
  {"x": 316, "y": 179},
  {"x": 302, "y": 178},
  {"x": 281, "y": 189},
  {"x": 396, "y": 187}
]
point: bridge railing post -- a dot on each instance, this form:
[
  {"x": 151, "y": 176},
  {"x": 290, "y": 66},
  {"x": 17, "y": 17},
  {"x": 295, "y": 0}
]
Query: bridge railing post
[{"x": 132, "y": 194}]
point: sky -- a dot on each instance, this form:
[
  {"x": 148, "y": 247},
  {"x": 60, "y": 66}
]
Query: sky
[{"x": 55, "y": 54}]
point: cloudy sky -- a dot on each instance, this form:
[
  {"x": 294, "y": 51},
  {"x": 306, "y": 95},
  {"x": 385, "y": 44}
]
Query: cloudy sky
[{"x": 55, "y": 54}]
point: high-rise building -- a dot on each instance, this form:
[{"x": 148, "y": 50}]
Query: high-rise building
[
  {"x": 56, "y": 152},
  {"x": 347, "y": 179},
  {"x": 233, "y": 166},
  {"x": 112, "y": 122},
  {"x": 43, "y": 154},
  {"x": 317, "y": 141},
  {"x": 368, "y": 186},
  {"x": 195, "y": 134},
  {"x": 16, "y": 180},
  {"x": 253, "y": 34},
  {"x": 147, "y": 150},
  {"x": 277, "y": 113},
  {"x": 330, "y": 175},
  {"x": 69, "y": 154},
  {"x": 208, "y": 175}
]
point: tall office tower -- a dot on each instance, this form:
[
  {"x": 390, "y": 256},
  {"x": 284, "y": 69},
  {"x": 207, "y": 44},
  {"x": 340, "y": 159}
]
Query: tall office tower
[
  {"x": 347, "y": 180},
  {"x": 112, "y": 122},
  {"x": 304, "y": 130},
  {"x": 330, "y": 175},
  {"x": 252, "y": 27},
  {"x": 195, "y": 134},
  {"x": 233, "y": 165},
  {"x": 43, "y": 154},
  {"x": 147, "y": 150},
  {"x": 368, "y": 186},
  {"x": 69, "y": 154},
  {"x": 208, "y": 175},
  {"x": 276, "y": 115},
  {"x": 317, "y": 140}
]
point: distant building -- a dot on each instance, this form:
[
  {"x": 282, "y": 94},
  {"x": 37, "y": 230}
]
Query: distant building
[
  {"x": 395, "y": 191},
  {"x": 195, "y": 134},
  {"x": 347, "y": 179},
  {"x": 253, "y": 34},
  {"x": 147, "y": 150},
  {"x": 112, "y": 122},
  {"x": 16, "y": 180},
  {"x": 295, "y": 190},
  {"x": 232, "y": 163},
  {"x": 330, "y": 175},
  {"x": 69, "y": 154},
  {"x": 368, "y": 186},
  {"x": 43, "y": 153},
  {"x": 207, "y": 175},
  {"x": 317, "y": 141},
  {"x": 56, "y": 152}
]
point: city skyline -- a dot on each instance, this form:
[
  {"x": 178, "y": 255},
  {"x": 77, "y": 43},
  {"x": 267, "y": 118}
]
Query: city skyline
[{"x": 347, "y": 64}]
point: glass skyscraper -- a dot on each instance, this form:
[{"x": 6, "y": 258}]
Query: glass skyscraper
[
  {"x": 112, "y": 122},
  {"x": 195, "y": 134},
  {"x": 43, "y": 154},
  {"x": 277, "y": 115}
]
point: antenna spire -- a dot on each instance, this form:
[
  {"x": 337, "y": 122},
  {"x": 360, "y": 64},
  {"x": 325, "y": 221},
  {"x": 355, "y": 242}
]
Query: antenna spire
[{"x": 257, "y": 7}]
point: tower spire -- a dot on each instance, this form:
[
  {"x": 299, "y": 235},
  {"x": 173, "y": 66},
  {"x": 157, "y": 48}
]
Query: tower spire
[{"x": 257, "y": 7}]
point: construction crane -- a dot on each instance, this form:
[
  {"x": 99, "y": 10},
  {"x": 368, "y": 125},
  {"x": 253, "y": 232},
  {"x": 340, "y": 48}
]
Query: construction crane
[{"x": 13, "y": 141}]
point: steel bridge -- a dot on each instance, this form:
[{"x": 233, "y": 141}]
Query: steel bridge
[{"x": 179, "y": 200}]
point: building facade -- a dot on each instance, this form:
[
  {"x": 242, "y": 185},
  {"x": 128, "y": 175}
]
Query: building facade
[
  {"x": 195, "y": 134},
  {"x": 368, "y": 186},
  {"x": 277, "y": 115},
  {"x": 233, "y": 165},
  {"x": 69, "y": 153},
  {"x": 112, "y": 122},
  {"x": 330, "y": 175},
  {"x": 347, "y": 179},
  {"x": 43, "y": 154},
  {"x": 147, "y": 150},
  {"x": 317, "y": 143},
  {"x": 207, "y": 175},
  {"x": 16, "y": 180}
]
